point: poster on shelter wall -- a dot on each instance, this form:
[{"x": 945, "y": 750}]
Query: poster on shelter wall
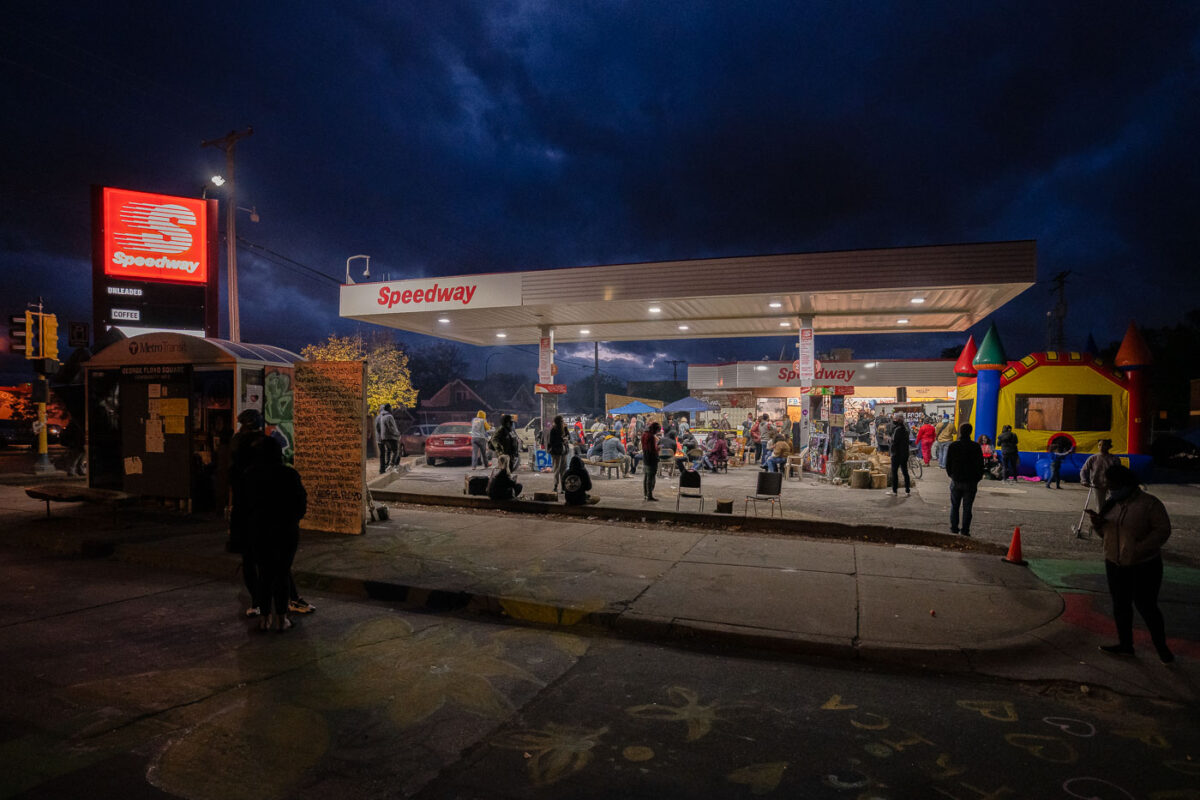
[{"x": 330, "y": 445}]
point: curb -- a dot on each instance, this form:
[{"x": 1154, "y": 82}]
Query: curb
[
  {"x": 817, "y": 529},
  {"x": 534, "y": 613}
]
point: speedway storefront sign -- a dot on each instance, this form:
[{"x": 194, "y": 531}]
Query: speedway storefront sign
[
  {"x": 429, "y": 294},
  {"x": 839, "y": 376}
]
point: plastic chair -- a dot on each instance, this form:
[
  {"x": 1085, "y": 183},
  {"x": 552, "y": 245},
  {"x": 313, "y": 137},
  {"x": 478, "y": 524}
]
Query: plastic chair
[
  {"x": 689, "y": 486},
  {"x": 770, "y": 484}
]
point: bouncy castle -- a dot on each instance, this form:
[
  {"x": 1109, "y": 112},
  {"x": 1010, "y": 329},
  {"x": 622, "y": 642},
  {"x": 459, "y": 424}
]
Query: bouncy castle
[{"x": 1052, "y": 395}]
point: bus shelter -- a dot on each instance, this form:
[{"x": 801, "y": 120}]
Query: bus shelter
[{"x": 162, "y": 408}]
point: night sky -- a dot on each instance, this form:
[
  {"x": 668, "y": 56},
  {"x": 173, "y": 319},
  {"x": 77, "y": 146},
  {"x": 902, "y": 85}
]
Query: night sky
[{"x": 446, "y": 137}]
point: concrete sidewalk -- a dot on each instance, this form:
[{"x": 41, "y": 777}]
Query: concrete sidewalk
[{"x": 916, "y": 606}]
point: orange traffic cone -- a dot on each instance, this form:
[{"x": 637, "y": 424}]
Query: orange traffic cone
[{"x": 1014, "y": 550}]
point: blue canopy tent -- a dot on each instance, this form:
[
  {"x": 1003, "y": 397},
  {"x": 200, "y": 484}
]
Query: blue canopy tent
[
  {"x": 689, "y": 404},
  {"x": 636, "y": 407}
]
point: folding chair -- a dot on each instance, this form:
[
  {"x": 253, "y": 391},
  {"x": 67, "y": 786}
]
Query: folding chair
[
  {"x": 770, "y": 484},
  {"x": 689, "y": 486}
]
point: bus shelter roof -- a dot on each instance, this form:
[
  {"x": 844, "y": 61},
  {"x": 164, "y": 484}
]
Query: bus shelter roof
[{"x": 938, "y": 288}]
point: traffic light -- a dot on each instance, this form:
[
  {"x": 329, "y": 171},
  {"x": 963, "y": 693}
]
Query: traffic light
[
  {"x": 20, "y": 332},
  {"x": 49, "y": 337}
]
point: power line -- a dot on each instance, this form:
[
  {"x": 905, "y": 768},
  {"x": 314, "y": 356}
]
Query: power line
[{"x": 315, "y": 272}]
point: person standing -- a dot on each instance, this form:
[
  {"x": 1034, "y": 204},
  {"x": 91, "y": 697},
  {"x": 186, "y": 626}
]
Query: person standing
[
  {"x": 945, "y": 435},
  {"x": 899, "y": 450},
  {"x": 1134, "y": 526},
  {"x": 278, "y": 503},
  {"x": 747, "y": 440},
  {"x": 387, "y": 432},
  {"x": 559, "y": 448},
  {"x": 925, "y": 436},
  {"x": 964, "y": 467},
  {"x": 479, "y": 437},
  {"x": 1007, "y": 442},
  {"x": 1060, "y": 448},
  {"x": 1095, "y": 471},
  {"x": 242, "y": 456},
  {"x": 506, "y": 443},
  {"x": 650, "y": 460}
]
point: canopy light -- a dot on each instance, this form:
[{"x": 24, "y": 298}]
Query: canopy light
[
  {"x": 917, "y": 300},
  {"x": 501, "y": 335},
  {"x": 785, "y": 324},
  {"x": 584, "y": 331},
  {"x": 761, "y": 367},
  {"x": 683, "y": 327},
  {"x": 655, "y": 309},
  {"x": 775, "y": 305},
  {"x": 902, "y": 322},
  {"x": 443, "y": 320}
]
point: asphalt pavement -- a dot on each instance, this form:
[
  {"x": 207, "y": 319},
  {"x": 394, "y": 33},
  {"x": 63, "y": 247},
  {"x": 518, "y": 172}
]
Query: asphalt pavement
[{"x": 667, "y": 581}]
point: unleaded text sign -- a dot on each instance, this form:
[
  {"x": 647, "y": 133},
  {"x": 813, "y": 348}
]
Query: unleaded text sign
[{"x": 331, "y": 443}]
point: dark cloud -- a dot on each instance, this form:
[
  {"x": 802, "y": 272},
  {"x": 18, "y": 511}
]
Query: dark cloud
[{"x": 448, "y": 137}]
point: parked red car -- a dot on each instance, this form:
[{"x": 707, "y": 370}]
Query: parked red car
[{"x": 448, "y": 440}]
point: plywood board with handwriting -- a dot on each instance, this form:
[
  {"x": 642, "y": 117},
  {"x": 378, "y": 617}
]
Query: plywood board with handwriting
[{"x": 330, "y": 443}]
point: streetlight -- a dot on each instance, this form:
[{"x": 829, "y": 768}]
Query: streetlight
[
  {"x": 366, "y": 270},
  {"x": 487, "y": 361},
  {"x": 228, "y": 143}
]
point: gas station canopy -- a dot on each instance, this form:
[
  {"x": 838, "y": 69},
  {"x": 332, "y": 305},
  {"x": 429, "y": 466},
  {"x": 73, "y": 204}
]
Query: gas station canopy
[{"x": 937, "y": 288}]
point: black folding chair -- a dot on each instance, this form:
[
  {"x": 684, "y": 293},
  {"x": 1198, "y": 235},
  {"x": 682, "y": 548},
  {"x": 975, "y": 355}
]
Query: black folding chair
[
  {"x": 689, "y": 486},
  {"x": 770, "y": 484}
]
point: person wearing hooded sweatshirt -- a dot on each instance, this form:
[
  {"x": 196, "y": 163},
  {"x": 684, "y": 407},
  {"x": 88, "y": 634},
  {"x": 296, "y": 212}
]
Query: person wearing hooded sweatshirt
[
  {"x": 1134, "y": 526},
  {"x": 613, "y": 450},
  {"x": 243, "y": 456},
  {"x": 925, "y": 436},
  {"x": 964, "y": 467},
  {"x": 278, "y": 503},
  {"x": 479, "y": 437},
  {"x": 576, "y": 483},
  {"x": 502, "y": 487},
  {"x": 1095, "y": 470}
]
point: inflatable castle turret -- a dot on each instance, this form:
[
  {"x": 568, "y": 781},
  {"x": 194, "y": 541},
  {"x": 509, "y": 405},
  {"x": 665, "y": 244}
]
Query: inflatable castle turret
[
  {"x": 1134, "y": 358},
  {"x": 1058, "y": 395},
  {"x": 989, "y": 361}
]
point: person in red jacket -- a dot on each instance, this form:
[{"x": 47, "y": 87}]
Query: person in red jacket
[{"x": 925, "y": 437}]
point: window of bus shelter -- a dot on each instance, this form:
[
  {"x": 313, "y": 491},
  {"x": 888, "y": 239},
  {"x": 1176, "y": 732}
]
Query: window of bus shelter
[{"x": 1064, "y": 412}]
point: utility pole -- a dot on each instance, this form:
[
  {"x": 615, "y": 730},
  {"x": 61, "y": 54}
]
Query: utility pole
[
  {"x": 228, "y": 143},
  {"x": 596, "y": 379},
  {"x": 1055, "y": 318},
  {"x": 674, "y": 368}
]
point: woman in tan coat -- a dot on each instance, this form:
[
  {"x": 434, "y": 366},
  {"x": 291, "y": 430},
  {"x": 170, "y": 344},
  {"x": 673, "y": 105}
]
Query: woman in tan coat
[{"x": 1134, "y": 526}]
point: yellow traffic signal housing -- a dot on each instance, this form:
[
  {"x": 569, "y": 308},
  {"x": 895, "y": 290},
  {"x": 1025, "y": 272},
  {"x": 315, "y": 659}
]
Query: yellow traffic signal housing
[
  {"x": 29, "y": 340},
  {"x": 49, "y": 336}
]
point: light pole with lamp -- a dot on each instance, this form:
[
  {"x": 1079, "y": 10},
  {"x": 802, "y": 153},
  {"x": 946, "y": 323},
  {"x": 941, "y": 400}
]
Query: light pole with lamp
[
  {"x": 366, "y": 269},
  {"x": 228, "y": 143},
  {"x": 488, "y": 361}
]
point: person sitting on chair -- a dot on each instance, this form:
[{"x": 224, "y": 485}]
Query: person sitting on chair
[
  {"x": 780, "y": 451},
  {"x": 502, "y": 487},
  {"x": 717, "y": 454}
]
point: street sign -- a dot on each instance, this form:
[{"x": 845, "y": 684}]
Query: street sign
[
  {"x": 549, "y": 388},
  {"x": 77, "y": 334}
]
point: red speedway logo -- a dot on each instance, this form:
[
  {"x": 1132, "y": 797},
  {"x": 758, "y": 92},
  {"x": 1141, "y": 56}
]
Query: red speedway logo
[
  {"x": 787, "y": 375},
  {"x": 434, "y": 294}
]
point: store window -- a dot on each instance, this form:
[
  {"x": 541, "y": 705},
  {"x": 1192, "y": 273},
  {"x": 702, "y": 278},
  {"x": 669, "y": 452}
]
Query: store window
[{"x": 1064, "y": 412}]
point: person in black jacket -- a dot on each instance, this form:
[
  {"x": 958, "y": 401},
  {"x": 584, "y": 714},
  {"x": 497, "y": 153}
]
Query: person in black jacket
[
  {"x": 899, "y": 450},
  {"x": 1007, "y": 442},
  {"x": 576, "y": 483},
  {"x": 964, "y": 465},
  {"x": 278, "y": 502},
  {"x": 502, "y": 486},
  {"x": 559, "y": 448}
]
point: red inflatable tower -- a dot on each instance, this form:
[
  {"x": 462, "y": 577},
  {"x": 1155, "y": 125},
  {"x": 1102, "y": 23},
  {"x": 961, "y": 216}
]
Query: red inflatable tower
[{"x": 1135, "y": 359}]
